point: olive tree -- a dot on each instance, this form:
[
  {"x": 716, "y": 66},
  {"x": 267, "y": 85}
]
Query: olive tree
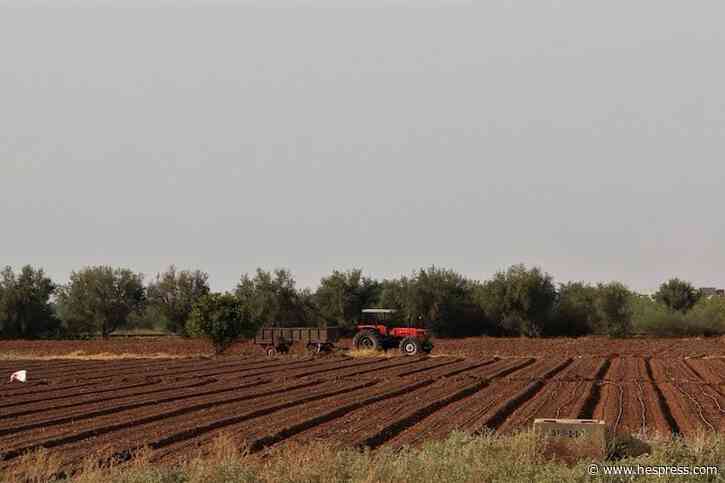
[
  {"x": 442, "y": 298},
  {"x": 100, "y": 299},
  {"x": 174, "y": 293},
  {"x": 576, "y": 311},
  {"x": 272, "y": 298},
  {"x": 678, "y": 295},
  {"x": 342, "y": 295},
  {"x": 25, "y": 308},
  {"x": 520, "y": 300},
  {"x": 614, "y": 303}
]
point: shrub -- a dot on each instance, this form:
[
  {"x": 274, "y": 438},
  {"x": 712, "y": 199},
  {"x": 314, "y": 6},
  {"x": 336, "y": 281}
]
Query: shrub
[
  {"x": 708, "y": 316},
  {"x": 653, "y": 318},
  {"x": 705, "y": 318},
  {"x": 221, "y": 318},
  {"x": 614, "y": 303}
]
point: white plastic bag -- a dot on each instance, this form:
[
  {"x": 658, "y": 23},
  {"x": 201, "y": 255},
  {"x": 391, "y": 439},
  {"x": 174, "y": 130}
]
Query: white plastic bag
[{"x": 21, "y": 376}]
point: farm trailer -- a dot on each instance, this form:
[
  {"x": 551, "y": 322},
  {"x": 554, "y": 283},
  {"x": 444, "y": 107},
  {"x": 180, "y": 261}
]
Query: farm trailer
[{"x": 279, "y": 339}]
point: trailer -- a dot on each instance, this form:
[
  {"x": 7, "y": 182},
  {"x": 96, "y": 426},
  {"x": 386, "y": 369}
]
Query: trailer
[{"x": 276, "y": 340}]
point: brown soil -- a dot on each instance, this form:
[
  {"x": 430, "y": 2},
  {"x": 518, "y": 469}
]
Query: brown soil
[{"x": 178, "y": 406}]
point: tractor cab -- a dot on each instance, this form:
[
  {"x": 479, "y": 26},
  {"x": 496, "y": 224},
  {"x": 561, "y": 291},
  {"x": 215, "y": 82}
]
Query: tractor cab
[
  {"x": 378, "y": 320},
  {"x": 382, "y": 329}
]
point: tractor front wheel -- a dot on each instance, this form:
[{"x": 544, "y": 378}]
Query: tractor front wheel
[
  {"x": 410, "y": 346},
  {"x": 367, "y": 340}
]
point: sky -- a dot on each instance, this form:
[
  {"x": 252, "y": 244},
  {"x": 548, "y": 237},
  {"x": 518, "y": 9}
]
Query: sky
[{"x": 584, "y": 137}]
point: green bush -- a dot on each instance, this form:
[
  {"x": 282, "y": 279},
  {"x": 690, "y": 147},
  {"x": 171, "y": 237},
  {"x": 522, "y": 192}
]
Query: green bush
[
  {"x": 708, "y": 315},
  {"x": 705, "y": 318},
  {"x": 614, "y": 304},
  {"x": 221, "y": 318},
  {"x": 650, "y": 317}
]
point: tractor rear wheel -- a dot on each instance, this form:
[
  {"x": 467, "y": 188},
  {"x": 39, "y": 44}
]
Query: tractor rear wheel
[
  {"x": 410, "y": 346},
  {"x": 367, "y": 340}
]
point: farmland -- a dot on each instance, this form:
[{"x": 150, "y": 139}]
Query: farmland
[{"x": 178, "y": 406}]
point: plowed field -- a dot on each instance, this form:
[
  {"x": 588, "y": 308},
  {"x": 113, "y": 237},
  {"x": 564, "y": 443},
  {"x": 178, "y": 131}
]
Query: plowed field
[{"x": 178, "y": 406}]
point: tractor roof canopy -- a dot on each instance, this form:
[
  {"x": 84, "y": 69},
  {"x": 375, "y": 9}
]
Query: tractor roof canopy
[{"x": 378, "y": 311}]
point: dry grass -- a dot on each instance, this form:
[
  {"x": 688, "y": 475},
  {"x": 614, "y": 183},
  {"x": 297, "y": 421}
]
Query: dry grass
[
  {"x": 83, "y": 356},
  {"x": 35, "y": 467},
  {"x": 460, "y": 458},
  {"x": 372, "y": 353}
]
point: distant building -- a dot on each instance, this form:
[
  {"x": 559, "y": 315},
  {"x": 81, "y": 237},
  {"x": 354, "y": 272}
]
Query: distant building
[{"x": 712, "y": 292}]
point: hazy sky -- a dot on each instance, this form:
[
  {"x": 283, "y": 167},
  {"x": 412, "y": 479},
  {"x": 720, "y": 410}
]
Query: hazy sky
[{"x": 585, "y": 137}]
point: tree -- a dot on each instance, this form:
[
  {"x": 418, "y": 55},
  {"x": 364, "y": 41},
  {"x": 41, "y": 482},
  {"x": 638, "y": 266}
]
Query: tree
[
  {"x": 400, "y": 294},
  {"x": 678, "y": 295},
  {"x": 520, "y": 300},
  {"x": 25, "y": 308},
  {"x": 100, "y": 299},
  {"x": 221, "y": 318},
  {"x": 442, "y": 298},
  {"x": 614, "y": 304},
  {"x": 272, "y": 298},
  {"x": 174, "y": 294},
  {"x": 576, "y": 311},
  {"x": 342, "y": 295}
]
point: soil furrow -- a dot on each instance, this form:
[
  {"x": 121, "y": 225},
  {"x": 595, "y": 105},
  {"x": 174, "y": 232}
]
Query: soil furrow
[{"x": 94, "y": 433}]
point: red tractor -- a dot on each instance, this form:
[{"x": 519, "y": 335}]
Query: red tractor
[{"x": 379, "y": 330}]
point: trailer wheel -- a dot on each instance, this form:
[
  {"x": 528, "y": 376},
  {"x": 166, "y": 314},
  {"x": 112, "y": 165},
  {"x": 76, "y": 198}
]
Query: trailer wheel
[
  {"x": 410, "y": 346},
  {"x": 367, "y": 340},
  {"x": 315, "y": 347}
]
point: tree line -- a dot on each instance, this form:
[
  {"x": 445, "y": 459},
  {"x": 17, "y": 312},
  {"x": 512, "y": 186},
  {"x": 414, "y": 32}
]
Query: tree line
[{"x": 519, "y": 301}]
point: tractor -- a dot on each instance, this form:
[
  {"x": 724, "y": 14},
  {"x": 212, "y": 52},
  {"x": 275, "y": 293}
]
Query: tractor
[{"x": 379, "y": 329}]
